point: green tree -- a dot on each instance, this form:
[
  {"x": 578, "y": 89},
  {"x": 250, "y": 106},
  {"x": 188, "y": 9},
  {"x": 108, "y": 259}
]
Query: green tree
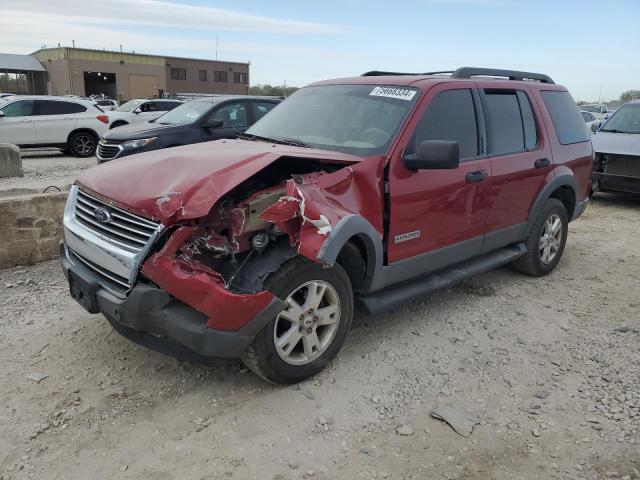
[
  {"x": 630, "y": 95},
  {"x": 272, "y": 90}
]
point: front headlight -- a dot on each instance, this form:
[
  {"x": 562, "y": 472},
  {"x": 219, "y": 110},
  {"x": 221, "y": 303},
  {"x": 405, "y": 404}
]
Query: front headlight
[{"x": 143, "y": 142}]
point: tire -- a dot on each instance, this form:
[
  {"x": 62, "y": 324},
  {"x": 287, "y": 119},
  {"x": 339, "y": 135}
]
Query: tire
[
  {"x": 117, "y": 124},
  {"x": 83, "y": 144},
  {"x": 295, "y": 280},
  {"x": 538, "y": 260}
]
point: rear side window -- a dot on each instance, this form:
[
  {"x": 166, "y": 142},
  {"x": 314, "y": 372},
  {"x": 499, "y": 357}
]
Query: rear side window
[
  {"x": 166, "y": 106},
  {"x": 511, "y": 127},
  {"x": 566, "y": 118},
  {"x": 260, "y": 109},
  {"x": 450, "y": 116},
  {"x": 52, "y": 107}
]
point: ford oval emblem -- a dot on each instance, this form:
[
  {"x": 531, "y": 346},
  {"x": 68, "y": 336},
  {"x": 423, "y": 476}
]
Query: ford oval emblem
[{"x": 102, "y": 215}]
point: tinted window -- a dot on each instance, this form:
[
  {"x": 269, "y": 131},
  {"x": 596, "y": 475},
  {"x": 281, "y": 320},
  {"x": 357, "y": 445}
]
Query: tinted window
[
  {"x": 260, "y": 109},
  {"x": 566, "y": 118},
  {"x": 52, "y": 107},
  {"x": 166, "y": 106},
  {"x": 232, "y": 115},
  {"x": 104, "y": 103},
  {"x": 528, "y": 121},
  {"x": 450, "y": 116},
  {"x": 505, "y": 133},
  {"x": 22, "y": 108},
  {"x": 148, "y": 107},
  {"x": 220, "y": 76}
]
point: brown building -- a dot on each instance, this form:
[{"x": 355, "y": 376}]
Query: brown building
[{"x": 123, "y": 76}]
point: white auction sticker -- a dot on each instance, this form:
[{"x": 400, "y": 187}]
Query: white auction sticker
[{"x": 393, "y": 92}]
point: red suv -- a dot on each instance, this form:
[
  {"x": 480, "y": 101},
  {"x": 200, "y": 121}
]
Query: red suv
[{"x": 377, "y": 189}]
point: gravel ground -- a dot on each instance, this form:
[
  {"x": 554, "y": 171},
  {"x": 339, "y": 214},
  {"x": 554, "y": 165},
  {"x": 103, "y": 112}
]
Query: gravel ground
[
  {"x": 43, "y": 168},
  {"x": 548, "y": 368}
]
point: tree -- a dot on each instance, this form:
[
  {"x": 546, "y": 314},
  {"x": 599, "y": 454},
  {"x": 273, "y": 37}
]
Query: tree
[
  {"x": 272, "y": 90},
  {"x": 630, "y": 95}
]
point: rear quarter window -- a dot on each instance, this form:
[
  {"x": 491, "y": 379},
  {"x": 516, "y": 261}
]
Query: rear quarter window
[{"x": 565, "y": 115}]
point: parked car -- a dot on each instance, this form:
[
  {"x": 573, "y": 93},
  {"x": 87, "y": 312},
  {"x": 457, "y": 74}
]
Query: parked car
[
  {"x": 140, "y": 111},
  {"x": 380, "y": 189},
  {"x": 592, "y": 123},
  {"x": 617, "y": 151},
  {"x": 4, "y": 97},
  {"x": 192, "y": 122},
  {"x": 70, "y": 124},
  {"x": 106, "y": 104},
  {"x": 598, "y": 110}
]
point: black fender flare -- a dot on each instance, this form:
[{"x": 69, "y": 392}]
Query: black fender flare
[
  {"x": 354, "y": 226},
  {"x": 562, "y": 180}
]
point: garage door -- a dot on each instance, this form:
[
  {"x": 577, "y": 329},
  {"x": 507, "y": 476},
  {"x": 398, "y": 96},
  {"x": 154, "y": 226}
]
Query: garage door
[{"x": 143, "y": 86}]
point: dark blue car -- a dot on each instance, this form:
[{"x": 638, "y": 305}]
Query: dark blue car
[{"x": 199, "y": 120}]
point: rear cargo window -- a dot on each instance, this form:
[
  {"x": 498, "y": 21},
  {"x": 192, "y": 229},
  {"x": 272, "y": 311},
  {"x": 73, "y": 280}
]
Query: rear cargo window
[{"x": 566, "y": 118}]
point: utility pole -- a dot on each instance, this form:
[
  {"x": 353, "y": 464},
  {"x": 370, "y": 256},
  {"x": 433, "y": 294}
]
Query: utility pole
[
  {"x": 600, "y": 95},
  {"x": 216, "y": 47}
]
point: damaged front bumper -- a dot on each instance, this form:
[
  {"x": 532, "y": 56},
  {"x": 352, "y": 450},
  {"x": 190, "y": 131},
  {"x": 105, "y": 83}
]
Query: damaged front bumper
[
  {"x": 152, "y": 317},
  {"x": 619, "y": 173}
]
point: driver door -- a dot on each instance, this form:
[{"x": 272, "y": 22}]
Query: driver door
[
  {"x": 438, "y": 217},
  {"x": 234, "y": 117}
]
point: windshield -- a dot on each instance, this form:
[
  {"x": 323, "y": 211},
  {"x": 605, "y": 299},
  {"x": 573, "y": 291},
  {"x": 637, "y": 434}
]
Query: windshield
[
  {"x": 591, "y": 108},
  {"x": 625, "y": 120},
  {"x": 129, "y": 106},
  {"x": 186, "y": 113},
  {"x": 356, "y": 119}
]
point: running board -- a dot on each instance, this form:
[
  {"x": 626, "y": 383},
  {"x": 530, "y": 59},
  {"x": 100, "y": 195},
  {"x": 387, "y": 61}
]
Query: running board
[{"x": 404, "y": 292}]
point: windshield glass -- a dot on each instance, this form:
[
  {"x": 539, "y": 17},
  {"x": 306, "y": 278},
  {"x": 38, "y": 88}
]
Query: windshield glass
[
  {"x": 356, "y": 119},
  {"x": 186, "y": 113},
  {"x": 625, "y": 120},
  {"x": 129, "y": 106},
  {"x": 590, "y": 108}
]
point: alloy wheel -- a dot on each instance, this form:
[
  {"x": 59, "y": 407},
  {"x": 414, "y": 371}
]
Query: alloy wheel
[
  {"x": 305, "y": 329},
  {"x": 550, "y": 239},
  {"x": 84, "y": 144}
]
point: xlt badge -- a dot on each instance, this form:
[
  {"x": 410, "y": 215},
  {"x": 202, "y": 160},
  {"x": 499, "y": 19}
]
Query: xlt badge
[{"x": 406, "y": 236}]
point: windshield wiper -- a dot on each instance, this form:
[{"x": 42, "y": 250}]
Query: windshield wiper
[
  {"x": 613, "y": 130},
  {"x": 282, "y": 141}
]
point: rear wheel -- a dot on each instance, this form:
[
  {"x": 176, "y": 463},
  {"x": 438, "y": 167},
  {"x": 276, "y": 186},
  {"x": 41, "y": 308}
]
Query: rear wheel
[
  {"x": 310, "y": 331},
  {"x": 83, "y": 144},
  {"x": 546, "y": 241}
]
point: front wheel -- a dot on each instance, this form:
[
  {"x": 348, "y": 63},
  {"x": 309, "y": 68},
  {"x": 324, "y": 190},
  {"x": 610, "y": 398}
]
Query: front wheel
[
  {"x": 310, "y": 331},
  {"x": 546, "y": 240},
  {"x": 83, "y": 144}
]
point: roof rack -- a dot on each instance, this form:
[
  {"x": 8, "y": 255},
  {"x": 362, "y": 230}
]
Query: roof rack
[{"x": 468, "y": 72}]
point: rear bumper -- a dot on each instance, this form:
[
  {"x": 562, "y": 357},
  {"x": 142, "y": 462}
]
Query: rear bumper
[{"x": 153, "y": 318}]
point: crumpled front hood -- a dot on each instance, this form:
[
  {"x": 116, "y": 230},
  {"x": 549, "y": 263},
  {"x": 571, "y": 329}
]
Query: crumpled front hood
[
  {"x": 183, "y": 183},
  {"x": 617, "y": 143}
]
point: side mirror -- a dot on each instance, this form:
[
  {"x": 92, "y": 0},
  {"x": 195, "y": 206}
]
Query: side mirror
[
  {"x": 595, "y": 126},
  {"x": 1, "y": 114},
  {"x": 213, "y": 123},
  {"x": 137, "y": 110},
  {"x": 434, "y": 155}
]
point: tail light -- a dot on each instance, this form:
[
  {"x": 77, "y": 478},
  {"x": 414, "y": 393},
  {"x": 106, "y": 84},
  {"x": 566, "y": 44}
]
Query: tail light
[{"x": 103, "y": 118}]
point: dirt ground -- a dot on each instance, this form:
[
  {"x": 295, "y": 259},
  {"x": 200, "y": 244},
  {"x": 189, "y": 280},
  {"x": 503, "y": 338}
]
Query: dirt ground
[
  {"x": 549, "y": 368},
  {"x": 47, "y": 167}
]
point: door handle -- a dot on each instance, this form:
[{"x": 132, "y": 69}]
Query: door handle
[
  {"x": 477, "y": 176},
  {"x": 542, "y": 163}
]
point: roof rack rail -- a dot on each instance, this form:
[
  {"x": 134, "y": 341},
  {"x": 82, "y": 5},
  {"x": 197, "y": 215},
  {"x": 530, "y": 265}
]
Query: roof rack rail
[{"x": 468, "y": 72}]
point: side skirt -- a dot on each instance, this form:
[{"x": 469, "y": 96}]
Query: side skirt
[{"x": 399, "y": 294}]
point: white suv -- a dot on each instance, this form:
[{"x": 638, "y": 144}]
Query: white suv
[
  {"x": 70, "y": 124},
  {"x": 140, "y": 111}
]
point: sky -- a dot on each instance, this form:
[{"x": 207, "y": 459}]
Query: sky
[{"x": 591, "y": 47}]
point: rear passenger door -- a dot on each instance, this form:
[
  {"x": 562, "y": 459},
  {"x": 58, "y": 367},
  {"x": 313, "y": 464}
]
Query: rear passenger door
[
  {"x": 54, "y": 120},
  {"x": 521, "y": 161}
]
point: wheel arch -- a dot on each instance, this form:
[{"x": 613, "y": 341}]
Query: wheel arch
[
  {"x": 352, "y": 234},
  {"x": 80, "y": 130},
  {"x": 564, "y": 187}
]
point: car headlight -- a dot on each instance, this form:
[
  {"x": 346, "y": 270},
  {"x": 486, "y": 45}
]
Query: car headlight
[{"x": 143, "y": 142}]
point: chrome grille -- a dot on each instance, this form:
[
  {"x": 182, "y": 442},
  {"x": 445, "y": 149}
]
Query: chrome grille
[
  {"x": 109, "y": 280},
  {"x": 107, "y": 151},
  {"x": 125, "y": 230}
]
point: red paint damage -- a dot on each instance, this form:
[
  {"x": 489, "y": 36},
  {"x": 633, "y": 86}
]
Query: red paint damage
[
  {"x": 221, "y": 196},
  {"x": 200, "y": 287}
]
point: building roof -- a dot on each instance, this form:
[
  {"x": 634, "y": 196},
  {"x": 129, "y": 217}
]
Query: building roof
[{"x": 9, "y": 61}]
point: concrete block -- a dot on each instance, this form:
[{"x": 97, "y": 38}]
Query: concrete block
[
  {"x": 10, "y": 161},
  {"x": 30, "y": 228}
]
